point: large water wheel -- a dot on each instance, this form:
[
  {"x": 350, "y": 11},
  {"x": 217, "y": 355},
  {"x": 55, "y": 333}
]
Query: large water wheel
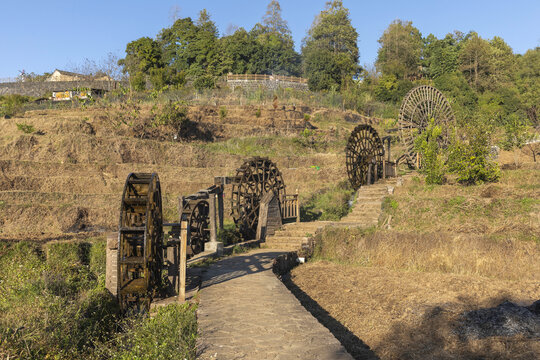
[
  {"x": 253, "y": 179},
  {"x": 419, "y": 106},
  {"x": 364, "y": 148},
  {"x": 140, "y": 241}
]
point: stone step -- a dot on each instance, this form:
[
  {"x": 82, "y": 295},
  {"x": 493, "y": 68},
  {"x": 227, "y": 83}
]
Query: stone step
[
  {"x": 284, "y": 247},
  {"x": 295, "y": 232},
  {"x": 285, "y": 239}
]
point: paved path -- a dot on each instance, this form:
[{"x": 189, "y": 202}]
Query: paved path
[{"x": 245, "y": 312}]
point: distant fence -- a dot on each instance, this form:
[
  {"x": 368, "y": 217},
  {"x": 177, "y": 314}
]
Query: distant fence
[
  {"x": 267, "y": 77},
  {"x": 272, "y": 82}
]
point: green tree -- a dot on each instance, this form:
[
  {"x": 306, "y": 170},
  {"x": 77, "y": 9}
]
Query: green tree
[
  {"x": 142, "y": 55},
  {"x": 503, "y": 64},
  {"x": 177, "y": 42},
  {"x": 474, "y": 60},
  {"x": 528, "y": 83},
  {"x": 236, "y": 52},
  {"x": 275, "y": 52},
  {"x": 273, "y": 21},
  {"x": 330, "y": 50},
  {"x": 441, "y": 57},
  {"x": 400, "y": 51},
  {"x": 204, "y": 47}
]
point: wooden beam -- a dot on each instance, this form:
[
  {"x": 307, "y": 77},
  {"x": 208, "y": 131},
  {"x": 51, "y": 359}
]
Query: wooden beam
[{"x": 184, "y": 236}]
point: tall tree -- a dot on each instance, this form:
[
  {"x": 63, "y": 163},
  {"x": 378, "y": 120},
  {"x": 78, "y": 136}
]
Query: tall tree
[
  {"x": 528, "y": 82},
  {"x": 141, "y": 55},
  {"x": 273, "y": 21},
  {"x": 237, "y": 52},
  {"x": 441, "y": 57},
  {"x": 205, "y": 46},
  {"x": 330, "y": 50},
  {"x": 475, "y": 60},
  {"x": 275, "y": 53},
  {"x": 400, "y": 51},
  {"x": 503, "y": 64},
  {"x": 177, "y": 43}
]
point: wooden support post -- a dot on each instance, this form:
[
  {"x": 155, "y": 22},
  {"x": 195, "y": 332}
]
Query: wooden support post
[
  {"x": 184, "y": 236},
  {"x": 213, "y": 217},
  {"x": 220, "y": 207},
  {"x": 297, "y": 207},
  {"x": 418, "y": 160},
  {"x": 376, "y": 173},
  {"x": 370, "y": 170},
  {"x": 111, "y": 263},
  {"x": 384, "y": 169},
  {"x": 213, "y": 244}
]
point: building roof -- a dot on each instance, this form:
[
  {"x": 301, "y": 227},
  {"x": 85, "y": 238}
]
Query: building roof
[{"x": 68, "y": 73}]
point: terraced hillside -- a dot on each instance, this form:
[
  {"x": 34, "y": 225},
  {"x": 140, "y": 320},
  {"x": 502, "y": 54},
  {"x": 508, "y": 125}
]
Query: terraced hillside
[{"x": 64, "y": 176}]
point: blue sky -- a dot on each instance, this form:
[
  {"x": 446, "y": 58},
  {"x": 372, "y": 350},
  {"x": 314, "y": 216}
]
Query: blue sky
[{"x": 39, "y": 36}]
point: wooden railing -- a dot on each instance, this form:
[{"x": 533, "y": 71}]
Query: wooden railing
[
  {"x": 290, "y": 207},
  {"x": 266, "y": 77}
]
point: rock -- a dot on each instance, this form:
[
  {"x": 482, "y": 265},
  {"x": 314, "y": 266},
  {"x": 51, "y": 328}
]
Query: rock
[{"x": 284, "y": 263}]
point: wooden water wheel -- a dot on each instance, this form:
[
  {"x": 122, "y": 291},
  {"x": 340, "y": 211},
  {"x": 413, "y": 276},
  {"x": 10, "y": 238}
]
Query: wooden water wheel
[
  {"x": 140, "y": 242},
  {"x": 364, "y": 148},
  {"x": 196, "y": 211},
  {"x": 253, "y": 179},
  {"x": 419, "y": 106}
]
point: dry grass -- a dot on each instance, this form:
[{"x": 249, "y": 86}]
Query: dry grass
[
  {"x": 449, "y": 249},
  {"x": 409, "y": 315},
  {"x": 509, "y": 209},
  {"x": 78, "y": 159},
  {"x": 462, "y": 254}
]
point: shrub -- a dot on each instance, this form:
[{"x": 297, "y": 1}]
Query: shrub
[
  {"x": 433, "y": 163},
  {"x": 229, "y": 235},
  {"x": 138, "y": 82},
  {"x": 12, "y": 104},
  {"x": 171, "y": 334},
  {"x": 470, "y": 159},
  {"x": 223, "y": 112},
  {"x": 258, "y": 113},
  {"x": 204, "y": 82},
  {"x": 330, "y": 204},
  {"x": 173, "y": 114},
  {"x": 25, "y": 128}
]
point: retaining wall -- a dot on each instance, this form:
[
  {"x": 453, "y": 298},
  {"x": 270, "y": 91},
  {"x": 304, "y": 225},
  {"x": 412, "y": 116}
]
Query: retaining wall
[
  {"x": 38, "y": 89},
  {"x": 268, "y": 84}
]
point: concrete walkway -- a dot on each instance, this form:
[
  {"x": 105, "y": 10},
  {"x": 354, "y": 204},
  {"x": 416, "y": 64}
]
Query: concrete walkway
[{"x": 245, "y": 312}]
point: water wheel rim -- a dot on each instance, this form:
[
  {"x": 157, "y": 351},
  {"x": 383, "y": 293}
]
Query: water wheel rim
[
  {"x": 255, "y": 177},
  {"x": 418, "y": 107},
  {"x": 364, "y": 147}
]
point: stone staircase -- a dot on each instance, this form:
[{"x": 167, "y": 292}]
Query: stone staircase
[
  {"x": 292, "y": 236},
  {"x": 368, "y": 206},
  {"x": 366, "y": 212}
]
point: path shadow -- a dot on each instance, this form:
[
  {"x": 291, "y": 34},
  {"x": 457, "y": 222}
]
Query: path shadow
[
  {"x": 353, "y": 344},
  {"x": 237, "y": 266}
]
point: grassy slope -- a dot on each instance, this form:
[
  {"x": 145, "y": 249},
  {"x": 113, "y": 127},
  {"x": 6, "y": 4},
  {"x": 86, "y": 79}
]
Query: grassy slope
[
  {"x": 52, "y": 299},
  {"x": 450, "y": 249}
]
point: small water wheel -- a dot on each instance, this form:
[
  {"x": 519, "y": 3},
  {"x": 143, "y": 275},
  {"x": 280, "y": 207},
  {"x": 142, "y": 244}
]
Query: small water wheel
[
  {"x": 419, "y": 106},
  {"x": 253, "y": 179},
  {"x": 364, "y": 148},
  {"x": 140, "y": 241},
  {"x": 196, "y": 211}
]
